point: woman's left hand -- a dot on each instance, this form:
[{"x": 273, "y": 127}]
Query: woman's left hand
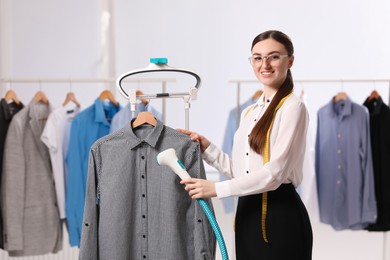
[{"x": 199, "y": 188}]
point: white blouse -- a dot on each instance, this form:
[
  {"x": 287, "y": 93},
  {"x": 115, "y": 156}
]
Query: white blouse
[{"x": 246, "y": 172}]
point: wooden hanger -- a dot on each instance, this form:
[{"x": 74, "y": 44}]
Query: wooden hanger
[
  {"x": 106, "y": 94},
  {"x": 374, "y": 95},
  {"x": 144, "y": 118},
  {"x": 41, "y": 97},
  {"x": 340, "y": 96},
  {"x": 70, "y": 97},
  {"x": 257, "y": 94},
  {"x": 143, "y": 100},
  {"x": 302, "y": 94},
  {"x": 11, "y": 96}
]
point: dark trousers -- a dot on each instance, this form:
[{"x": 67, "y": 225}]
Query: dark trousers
[{"x": 288, "y": 227}]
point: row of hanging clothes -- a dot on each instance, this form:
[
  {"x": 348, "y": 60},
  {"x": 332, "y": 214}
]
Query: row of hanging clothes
[
  {"x": 351, "y": 162},
  {"x": 43, "y": 166},
  {"x": 346, "y": 176}
]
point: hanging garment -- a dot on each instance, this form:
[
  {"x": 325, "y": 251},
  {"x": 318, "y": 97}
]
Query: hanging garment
[
  {"x": 308, "y": 187},
  {"x": 55, "y": 136},
  {"x": 136, "y": 209},
  {"x": 124, "y": 116},
  {"x": 380, "y": 143},
  {"x": 32, "y": 224},
  {"x": 88, "y": 126},
  {"x": 344, "y": 166},
  {"x": 7, "y": 111}
]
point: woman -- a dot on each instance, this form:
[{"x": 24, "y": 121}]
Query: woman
[{"x": 266, "y": 166}]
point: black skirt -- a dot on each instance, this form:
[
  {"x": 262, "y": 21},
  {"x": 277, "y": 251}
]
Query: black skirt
[{"x": 288, "y": 227}]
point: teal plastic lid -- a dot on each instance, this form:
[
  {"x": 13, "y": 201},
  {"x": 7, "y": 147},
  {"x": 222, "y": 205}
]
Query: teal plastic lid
[{"x": 159, "y": 60}]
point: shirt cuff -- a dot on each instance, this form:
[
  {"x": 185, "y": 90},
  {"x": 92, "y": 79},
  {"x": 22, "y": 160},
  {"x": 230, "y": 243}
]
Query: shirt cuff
[
  {"x": 222, "y": 189},
  {"x": 211, "y": 153}
]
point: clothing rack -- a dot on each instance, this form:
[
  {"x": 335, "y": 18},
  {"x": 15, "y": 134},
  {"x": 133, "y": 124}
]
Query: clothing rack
[
  {"x": 239, "y": 82},
  {"x": 82, "y": 80},
  {"x": 40, "y": 81}
]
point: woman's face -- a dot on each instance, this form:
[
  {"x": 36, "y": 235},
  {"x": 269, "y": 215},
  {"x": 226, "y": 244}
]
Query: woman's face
[{"x": 270, "y": 62}]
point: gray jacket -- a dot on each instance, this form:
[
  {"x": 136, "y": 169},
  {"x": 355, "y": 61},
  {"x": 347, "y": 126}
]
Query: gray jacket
[
  {"x": 136, "y": 209},
  {"x": 31, "y": 220}
]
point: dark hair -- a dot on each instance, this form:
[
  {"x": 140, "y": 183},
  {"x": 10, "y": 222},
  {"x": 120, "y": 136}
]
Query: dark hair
[{"x": 259, "y": 132}]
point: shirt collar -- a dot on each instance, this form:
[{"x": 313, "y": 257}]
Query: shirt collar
[
  {"x": 374, "y": 106},
  {"x": 262, "y": 101},
  {"x": 100, "y": 115},
  {"x": 10, "y": 109},
  {"x": 150, "y": 139},
  {"x": 342, "y": 108}
]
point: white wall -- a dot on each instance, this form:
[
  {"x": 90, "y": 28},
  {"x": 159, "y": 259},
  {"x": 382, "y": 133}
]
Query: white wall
[{"x": 333, "y": 40}]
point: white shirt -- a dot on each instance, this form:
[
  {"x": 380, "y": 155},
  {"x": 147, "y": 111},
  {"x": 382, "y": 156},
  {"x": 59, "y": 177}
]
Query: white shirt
[
  {"x": 55, "y": 136},
  {"x": 246, "y": 172},
  {"x": 308, "y": 187}
]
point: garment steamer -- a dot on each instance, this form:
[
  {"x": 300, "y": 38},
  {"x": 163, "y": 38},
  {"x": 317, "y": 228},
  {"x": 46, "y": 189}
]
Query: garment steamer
[{"x": 169, "y": 158}]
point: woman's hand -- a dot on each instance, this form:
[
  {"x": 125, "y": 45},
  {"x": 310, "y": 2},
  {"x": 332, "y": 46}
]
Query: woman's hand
[
  {"x": 199, "y": 188},
  {"x": 203, "y": 141}
]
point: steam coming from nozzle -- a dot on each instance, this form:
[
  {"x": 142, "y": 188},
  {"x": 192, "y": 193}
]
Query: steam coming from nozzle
[{"x": 169, "y": 158}]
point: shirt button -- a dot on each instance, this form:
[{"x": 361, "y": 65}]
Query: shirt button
[
  {"x": 339, "y": 166},
  {"x": 247, "y": 153},
  {"x": 144, "y": 236},
  {"x": 142, "y": 157},
  {"x": 247, "y": 171},
  {"x": 144, "y": 256},
  {"x": 143, "y": 196},
  {"x": 143, "y": 216},
  {"x": 338, "y": 151},
  {"x": 143, "y": 176}
]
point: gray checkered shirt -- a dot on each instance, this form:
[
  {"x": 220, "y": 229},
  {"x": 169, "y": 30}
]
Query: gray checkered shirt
[{"x": 136, "y": 209}]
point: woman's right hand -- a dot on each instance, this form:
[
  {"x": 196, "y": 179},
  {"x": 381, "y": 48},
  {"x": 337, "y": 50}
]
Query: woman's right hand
[{"x": 203, "y": 141}]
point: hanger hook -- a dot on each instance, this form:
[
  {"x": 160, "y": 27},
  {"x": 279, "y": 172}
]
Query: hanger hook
[{"x": 342, "y": 85}]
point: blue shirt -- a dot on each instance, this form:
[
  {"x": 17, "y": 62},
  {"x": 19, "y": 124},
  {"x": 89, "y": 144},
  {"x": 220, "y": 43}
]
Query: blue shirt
[
  {"x": 88, "y": 126},
  {"x": 344, "y": 166},
  {"x": 124, "y": 116}
]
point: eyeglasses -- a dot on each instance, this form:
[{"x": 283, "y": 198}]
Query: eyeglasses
[{"x": 273, "y": 59}]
